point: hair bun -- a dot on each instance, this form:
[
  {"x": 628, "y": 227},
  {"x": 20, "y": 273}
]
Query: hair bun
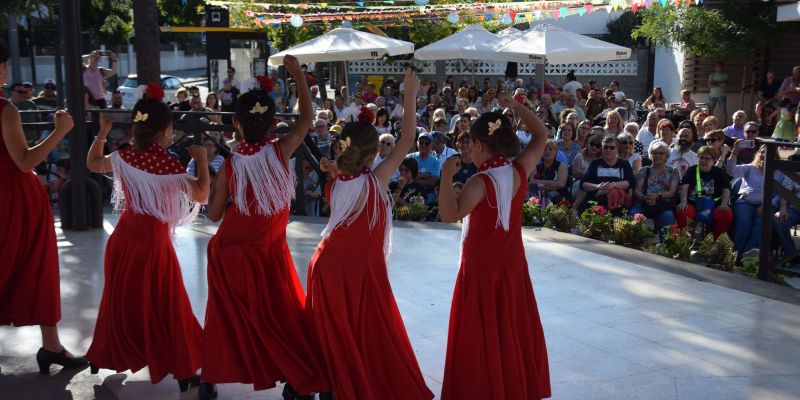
[
  {"x": 154, "y": 91},
  {"x": 265, "y": 83},
  {"x": 366, "y": 116}
]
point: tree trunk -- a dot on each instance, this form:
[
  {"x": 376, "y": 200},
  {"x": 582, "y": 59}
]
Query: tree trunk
[{"x": 146, "y": 43}]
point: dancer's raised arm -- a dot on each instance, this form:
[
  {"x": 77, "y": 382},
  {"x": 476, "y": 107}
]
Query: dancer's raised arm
[
  {"x": 301, "y": 126},
  {"x": 532, "y": 153},
  {"x": 386, "y": 169}
]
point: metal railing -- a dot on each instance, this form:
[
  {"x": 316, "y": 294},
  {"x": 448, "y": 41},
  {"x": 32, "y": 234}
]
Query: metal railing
[
  {"x": 197, "y": 131},
  {"x": 790, "y": 169}
]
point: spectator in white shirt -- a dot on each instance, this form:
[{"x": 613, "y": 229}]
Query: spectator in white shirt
[{"x": 681, "y": 156}]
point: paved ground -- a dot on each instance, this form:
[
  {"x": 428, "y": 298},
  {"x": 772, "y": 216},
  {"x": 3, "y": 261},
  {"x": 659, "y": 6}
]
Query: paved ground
[{"x": 619, "y": 324}]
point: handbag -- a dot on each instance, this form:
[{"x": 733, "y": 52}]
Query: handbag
[
  {"x": 661, "y": 205},
  {"x": 704, "y": 204}
]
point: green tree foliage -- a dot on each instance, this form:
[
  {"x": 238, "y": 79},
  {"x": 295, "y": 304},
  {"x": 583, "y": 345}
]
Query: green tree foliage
[
  {"x": 106, "y": 21},
  {"x": 711, "y": 32},
  {"x": 620, "y": 30}
]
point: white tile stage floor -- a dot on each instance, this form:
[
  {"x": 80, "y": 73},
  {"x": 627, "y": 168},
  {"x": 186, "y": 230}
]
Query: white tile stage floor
[{"x": 619, "y": 324}]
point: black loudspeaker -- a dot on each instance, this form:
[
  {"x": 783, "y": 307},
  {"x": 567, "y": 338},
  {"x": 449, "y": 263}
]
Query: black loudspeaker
[{"x": 217, "y": 16}]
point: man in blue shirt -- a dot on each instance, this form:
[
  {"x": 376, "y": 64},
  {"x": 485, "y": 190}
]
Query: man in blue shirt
[{"x": 428, "y": 163}]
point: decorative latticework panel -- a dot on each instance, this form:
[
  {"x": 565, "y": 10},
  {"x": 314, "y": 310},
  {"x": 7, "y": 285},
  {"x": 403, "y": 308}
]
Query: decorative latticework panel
[
  {"x": 609, "y": 68},
  {"x": 379, "y": 67}
]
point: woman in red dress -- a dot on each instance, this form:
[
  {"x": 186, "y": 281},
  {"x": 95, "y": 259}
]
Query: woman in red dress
[
  {"x": 364, "y": 342},
  {"x": 495, "y": 344},
  {"x": 29, "y": 282},
  {"x": 255, "y": 330},
  {"x": 145, "y": 318}
]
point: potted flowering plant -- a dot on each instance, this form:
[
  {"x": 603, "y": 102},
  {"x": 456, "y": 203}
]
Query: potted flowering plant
[
  {"x": 532, "y": 213},
  {"x": 415, "y": 210},
  {"x": 561, "y": 216},
  {"x": 632, "y": 231},
  {"x": 595, "y": 222},
  {"x": 677, "y": 243}
]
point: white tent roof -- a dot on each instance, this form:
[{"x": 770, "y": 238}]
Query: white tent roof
[
  {"x": 471, "y": 43},
  {"x": 344, "y": 44},
  {"x": 559, "y": 46},
  {"x": 509, "y": 34},
  {"x": 789, "y": 12}
]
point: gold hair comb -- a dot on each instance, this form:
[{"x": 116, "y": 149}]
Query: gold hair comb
[
  {"x": 494, "y": 125},
  {"x": 258, "y": 108},
  {"x": 140, "y": 117}
]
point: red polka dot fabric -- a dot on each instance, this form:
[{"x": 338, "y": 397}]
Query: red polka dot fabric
[
  {"x": 364, "y": 170},
  {"x": 248, "y": 149},
  {"x": 155, "y": 160},
  {"x": 494, "y": 162}
]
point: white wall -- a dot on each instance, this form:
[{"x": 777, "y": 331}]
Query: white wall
[
  {"x": 589, "y": 24},
  {"x": 668, "y": 72}
]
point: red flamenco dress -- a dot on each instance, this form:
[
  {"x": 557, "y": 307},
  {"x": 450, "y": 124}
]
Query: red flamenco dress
[
  {"x": 145, "y": 317},
  {"x": 353, "y": 311},
  {"x": 255, "y": 329},
  {"x": 29, "y": 282},
  {"x": 495, "y": 345}
]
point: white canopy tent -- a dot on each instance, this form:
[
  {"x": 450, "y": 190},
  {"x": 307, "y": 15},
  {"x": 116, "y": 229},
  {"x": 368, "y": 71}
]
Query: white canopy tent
[
  {"x": 559, "y": 46},
  {"x": 548, "y": 44},
  {"x": 344, "y": 44},
  {"x": 471, "y": 43},
  {"x": 789, "y": 12}
]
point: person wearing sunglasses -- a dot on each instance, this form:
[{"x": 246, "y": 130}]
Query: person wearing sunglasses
[
  {"x": 716, "y": 140},
  {"x": 681, "y": 156},
  {"x": 747, "y": 154},
  {"x": 607, "y": 180},
  {"x": 656, "y": 187},
  {"x": 627, "y": 153},
  {"x": 385, "y": 145},
  {"x": 19, "y": 99}
]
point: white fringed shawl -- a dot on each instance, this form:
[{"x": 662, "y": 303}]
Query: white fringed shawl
[
  {"x": 273, "y": 184},
  {"x": 349, "y": 199},
  {"x": 165, "y": 197},
  {"x": 502, "y": 179}
]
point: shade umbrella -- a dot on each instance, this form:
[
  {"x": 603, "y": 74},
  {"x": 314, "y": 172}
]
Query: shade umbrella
[
  {"x": 469, "y": 44},
  {"x": 558, "y": 46},
  {"x": 548, "y": 44},
  {"x": 344, "y": 44}
]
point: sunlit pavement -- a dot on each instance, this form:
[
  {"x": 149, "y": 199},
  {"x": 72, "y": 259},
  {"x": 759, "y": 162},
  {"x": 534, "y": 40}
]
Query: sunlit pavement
[{"x": 619, "y": 324}]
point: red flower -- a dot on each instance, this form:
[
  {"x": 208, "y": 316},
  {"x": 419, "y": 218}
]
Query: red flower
[
  {"x": 533, "y": 200},
  {"x": 265, "y": 83},
  {"x": 639, "y": 218},
  {"x": 154, "y": 91},
  {"x": 565, "y": 203},
  {"x": 599, "y": 210},
  {"x": 366, "y": 116}
]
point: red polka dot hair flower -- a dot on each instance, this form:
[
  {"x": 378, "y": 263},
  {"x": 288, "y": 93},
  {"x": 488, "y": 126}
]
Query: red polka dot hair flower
[
  {"x": 266, "y": 83},
  {"x": 366, "y": 116},
  {"x": 154, "y": 91}
]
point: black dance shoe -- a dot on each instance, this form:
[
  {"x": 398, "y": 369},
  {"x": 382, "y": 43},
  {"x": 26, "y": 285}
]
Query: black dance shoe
[
  {"x": 47, "y": 358},
  {"x": 207, "y": 391},
  {"x": 326, "y": 396},
  {"x": 184, "y": 384}
]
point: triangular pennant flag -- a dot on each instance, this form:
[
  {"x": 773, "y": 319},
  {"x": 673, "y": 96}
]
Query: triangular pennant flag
[
  {"x": 323, "y": 5},
  {"x": 513, "y": 15},
  {"x": 582, "y": 11},
  {"x": 663, "y": 3},
  {"x": 529, "y": 17},
  {"x": 538, "y": 14},
  {"x": 609, "y": 8},
  {"x": 634, "y": 7},
  {"x": 488, "y": 16},
  {"x": 276, "y": 25},
  {"x": 360, "y": 3},
  {"x": 556, "y": 14},
  {"x": 616, "y": 6},
  {"x": 563, "y": 12},
  {"x": 589, "y": 8},
  {"x": 258, "y": 22}
]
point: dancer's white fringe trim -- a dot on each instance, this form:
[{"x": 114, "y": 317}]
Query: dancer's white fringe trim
[
  {"x": 349, "y": 200},
  {"x": 503, "y": 181},
  {"x": 165, "y": 197},
  {"x": 272, "y": 182}
]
